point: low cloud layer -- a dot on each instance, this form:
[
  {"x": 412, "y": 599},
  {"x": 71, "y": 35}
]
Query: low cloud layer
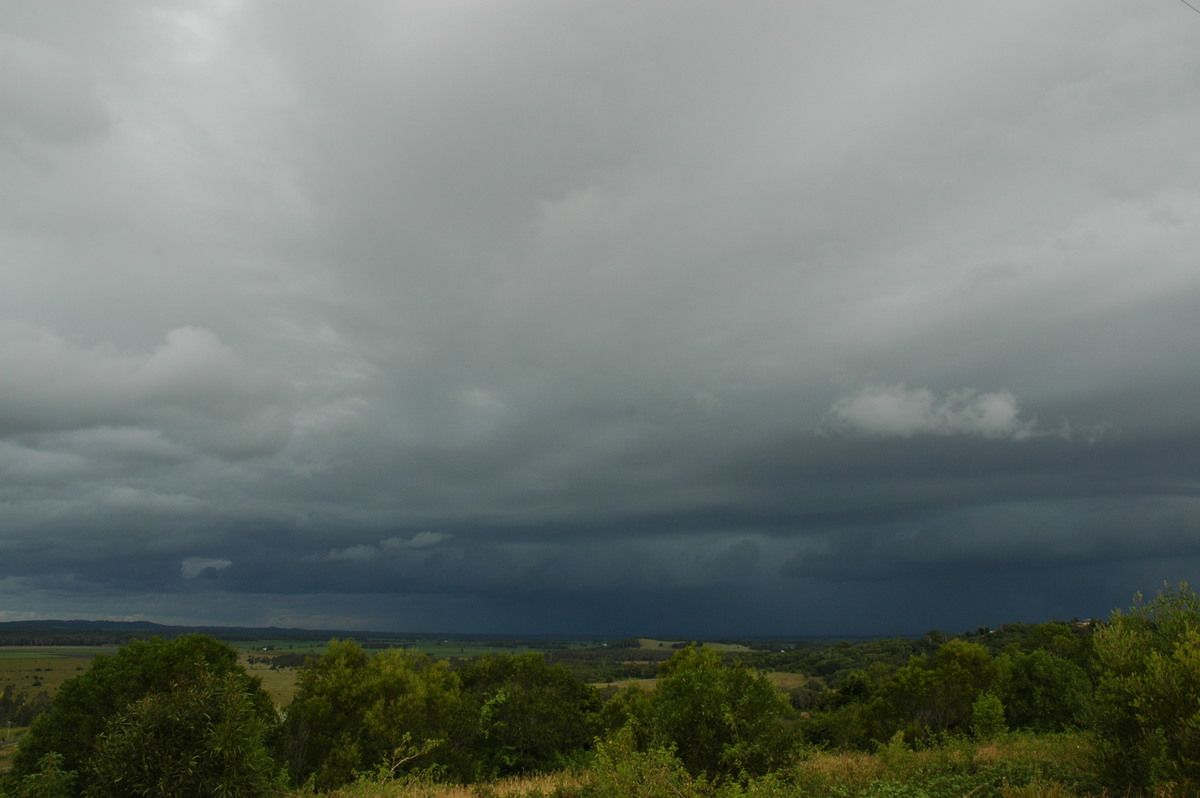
[{"x": 629, "y": 318}]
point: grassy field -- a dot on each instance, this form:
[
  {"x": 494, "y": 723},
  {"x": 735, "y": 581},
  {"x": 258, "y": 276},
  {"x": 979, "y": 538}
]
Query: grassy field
[
  {"x": 280, "y": 683},
  {"x": 32, "y": 670},
  {"x": 670, "y": 645}
]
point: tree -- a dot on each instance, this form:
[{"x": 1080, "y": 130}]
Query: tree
[
  {"x": 352, "y": 712},
  {"x": 204, "y": 737},
  {"x": 719, "y": 719},
  {"x": 522, "y": 714},
  {"x": 1147, "y": 704},
  {"x": 83, "y": 707},
  {"x": 987, "y": 717},
  {"x": 1042, "y": 691},
  {"x": 933, "y": 693}
]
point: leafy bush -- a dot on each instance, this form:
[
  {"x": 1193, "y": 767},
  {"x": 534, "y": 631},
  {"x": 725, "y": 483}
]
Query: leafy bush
[
  {"x": 1147, "y": 706},
  {"x": 50, "y": 780},
  {"x": 622, "y": 771},
  {"x": 987, "y": 717}
]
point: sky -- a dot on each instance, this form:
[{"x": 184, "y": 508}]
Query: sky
[{"x": 664, "y": 318}]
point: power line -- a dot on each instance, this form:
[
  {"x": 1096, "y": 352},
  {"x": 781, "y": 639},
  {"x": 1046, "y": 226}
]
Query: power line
[{"x": 1189, "y": 5}]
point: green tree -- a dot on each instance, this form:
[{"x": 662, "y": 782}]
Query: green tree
[
  {"x": 522, "y": 714},
  {"x": 1147, "y": 704},
  {"x": 933, "y": 693},
  {"x": 987, "y": 717},
  {"x": 719, "y": 719},
  {"x": 352, "y": 712},
  {"x": 48, "y": 781},
  {"x": 1042, "y": 691},
  {"x": 84, "y": 706},
  {"x": 204, "y": 737},
  {"x": 621, "y": 769},
  {"x": 1068, "y": 641}
]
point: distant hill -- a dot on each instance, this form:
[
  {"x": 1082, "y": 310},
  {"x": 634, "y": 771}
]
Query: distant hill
[{"x": 92, "y": 633}]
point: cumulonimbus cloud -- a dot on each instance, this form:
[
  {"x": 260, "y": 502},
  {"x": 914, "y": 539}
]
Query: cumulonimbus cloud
[{"x": 899, "y": 411}]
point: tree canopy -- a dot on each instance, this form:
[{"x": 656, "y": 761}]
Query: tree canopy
[{"x": 164, "y": 700}]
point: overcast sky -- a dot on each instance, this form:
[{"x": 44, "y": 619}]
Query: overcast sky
[{"x": 684, "y": 317}]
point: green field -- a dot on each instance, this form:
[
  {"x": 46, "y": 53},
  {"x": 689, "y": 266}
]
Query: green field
[
  {"x": 674, "y": 645},
  {"x": 33, "y": 670}
]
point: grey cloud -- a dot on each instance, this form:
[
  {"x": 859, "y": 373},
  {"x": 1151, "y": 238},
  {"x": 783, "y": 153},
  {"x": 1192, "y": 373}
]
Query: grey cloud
[
  {"x": 192, "y": 388},
  {"x": 531, "y": 316},
  {"x": 46, "y": 95},
  {"x": 193, "y": 567}
]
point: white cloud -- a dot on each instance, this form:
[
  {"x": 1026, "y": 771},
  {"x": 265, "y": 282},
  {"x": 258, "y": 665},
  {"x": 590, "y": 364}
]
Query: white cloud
[
  {"x": 193, "y": 567},
  {"x": 420, "y": 540},
  {"x": 368, "y": 551},
  {"x": 353, "y": 553},
  {"x": 898, "y": 411}
]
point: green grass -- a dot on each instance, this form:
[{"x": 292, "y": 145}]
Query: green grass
[{"x": 36, "y": 670}]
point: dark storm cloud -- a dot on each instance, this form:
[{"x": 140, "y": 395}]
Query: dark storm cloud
[{"x": 531, "y": 316}]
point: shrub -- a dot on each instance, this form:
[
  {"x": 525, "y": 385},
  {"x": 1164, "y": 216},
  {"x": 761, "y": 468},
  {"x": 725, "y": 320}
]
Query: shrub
[{"x": 621, "y": 771}]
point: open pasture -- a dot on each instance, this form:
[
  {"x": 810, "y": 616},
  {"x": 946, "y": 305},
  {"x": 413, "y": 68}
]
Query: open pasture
[
  {"x": 31, "y": 669},
  {"x": 672, "y": 645}
]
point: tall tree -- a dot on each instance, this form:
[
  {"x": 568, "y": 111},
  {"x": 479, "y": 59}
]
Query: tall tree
[
  {"x": 353, "y": 711},
  {"x": 1147, "y": 705}
]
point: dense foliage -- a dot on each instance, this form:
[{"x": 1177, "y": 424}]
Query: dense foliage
[
  {"x": 1147, "y": 704},
  {"x": 354, "y": 710},
  {"x": 19, "y": 708},
  {"x": 522, "y": 714},
  {"x": 718, "y": 718},
  {"x": 1054, "y": 709},
  {"x": 179, "y": 713}
]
